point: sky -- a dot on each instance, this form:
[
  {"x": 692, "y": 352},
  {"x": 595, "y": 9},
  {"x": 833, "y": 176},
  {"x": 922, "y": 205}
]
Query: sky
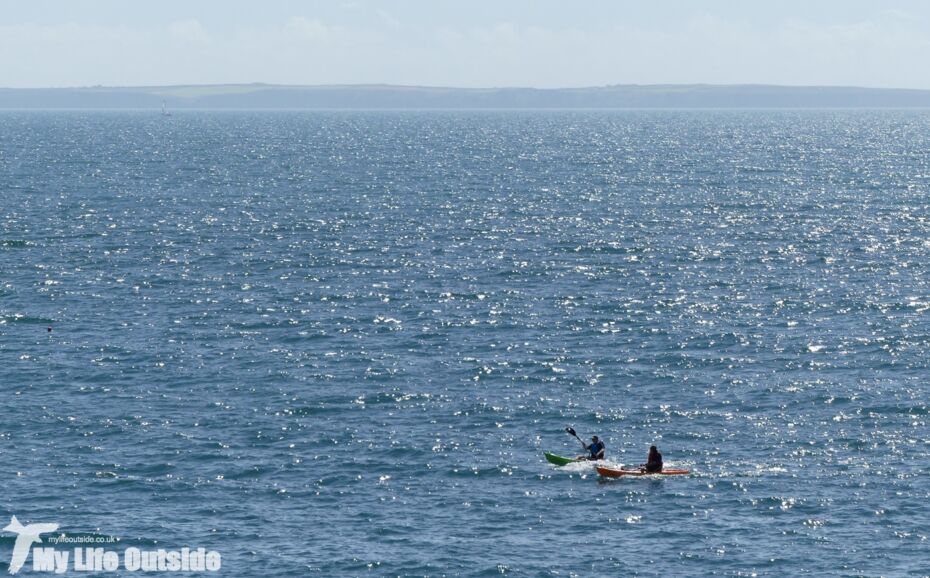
[{"x": 469, "y": 43}]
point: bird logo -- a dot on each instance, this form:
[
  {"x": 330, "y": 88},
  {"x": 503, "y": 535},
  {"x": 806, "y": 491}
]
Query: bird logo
[{"x": 27, "y": 536}]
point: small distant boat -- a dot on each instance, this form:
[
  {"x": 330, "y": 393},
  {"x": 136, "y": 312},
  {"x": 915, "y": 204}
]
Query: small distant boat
[{"x": 164, "y": 109}]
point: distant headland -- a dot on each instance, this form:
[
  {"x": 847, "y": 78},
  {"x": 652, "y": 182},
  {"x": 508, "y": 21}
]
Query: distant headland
[{"x": 630, "y": 96}]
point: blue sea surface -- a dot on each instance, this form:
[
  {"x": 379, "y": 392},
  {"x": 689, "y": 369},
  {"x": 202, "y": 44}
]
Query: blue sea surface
[{"x": 338, "y": 343}]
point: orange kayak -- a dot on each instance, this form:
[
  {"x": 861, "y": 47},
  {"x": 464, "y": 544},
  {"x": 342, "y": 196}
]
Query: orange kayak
[{"x": 615, "y": 473}]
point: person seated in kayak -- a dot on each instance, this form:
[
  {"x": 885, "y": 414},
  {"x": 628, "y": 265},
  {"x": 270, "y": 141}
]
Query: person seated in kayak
[
  {"x": 596, "y": 449},
  {"x": 653, "y": 463}
]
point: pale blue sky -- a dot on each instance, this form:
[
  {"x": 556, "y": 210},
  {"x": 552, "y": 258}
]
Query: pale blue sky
[{"x": 540, "y": 43}]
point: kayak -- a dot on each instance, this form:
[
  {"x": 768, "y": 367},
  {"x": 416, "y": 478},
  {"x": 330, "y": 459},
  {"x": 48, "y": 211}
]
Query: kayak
[
  {"x": 615, "y": 473},
  {"x": 558, "y": 460}
]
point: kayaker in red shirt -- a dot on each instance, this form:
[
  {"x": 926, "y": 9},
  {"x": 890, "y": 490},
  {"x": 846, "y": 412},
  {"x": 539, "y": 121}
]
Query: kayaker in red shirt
[{"x": 653, "y": 463}]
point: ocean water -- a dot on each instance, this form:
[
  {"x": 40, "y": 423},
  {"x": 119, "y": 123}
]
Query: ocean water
[{"x": 337, "y": 344}]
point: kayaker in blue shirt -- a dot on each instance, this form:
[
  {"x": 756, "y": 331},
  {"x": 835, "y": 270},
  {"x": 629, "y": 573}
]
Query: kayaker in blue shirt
[
  {"x": 596, "y": 449},
  {"x": 653, "y": 463}
]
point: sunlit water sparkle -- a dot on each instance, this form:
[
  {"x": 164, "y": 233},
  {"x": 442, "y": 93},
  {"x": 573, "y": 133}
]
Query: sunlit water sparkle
[{"x": 337, "y": 344}]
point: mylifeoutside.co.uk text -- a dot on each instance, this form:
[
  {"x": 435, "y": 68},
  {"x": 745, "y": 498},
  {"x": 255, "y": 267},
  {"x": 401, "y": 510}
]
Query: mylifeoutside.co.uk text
[{"x": 66, "y": 539}]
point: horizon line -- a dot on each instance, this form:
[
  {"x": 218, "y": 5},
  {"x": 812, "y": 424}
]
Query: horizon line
[{"x": 465, "y": 88}]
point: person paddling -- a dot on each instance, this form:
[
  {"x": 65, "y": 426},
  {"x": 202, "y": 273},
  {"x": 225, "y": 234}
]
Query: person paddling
[
  {"x": 653, "y": 463},
  {"x": 596, "y": 450}
]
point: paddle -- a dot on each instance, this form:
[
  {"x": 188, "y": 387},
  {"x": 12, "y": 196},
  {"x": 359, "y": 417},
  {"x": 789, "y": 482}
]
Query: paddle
[{"x": 572, "y": 432}]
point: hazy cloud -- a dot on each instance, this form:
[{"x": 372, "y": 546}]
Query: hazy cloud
[
  {"x": 308, "y": 29},
  {"x": 363, "y": 42},
  {"x": 189, "y": 31}
]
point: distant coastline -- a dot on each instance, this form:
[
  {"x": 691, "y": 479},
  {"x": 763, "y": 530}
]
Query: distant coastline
[{"x": 282, "y": 97}]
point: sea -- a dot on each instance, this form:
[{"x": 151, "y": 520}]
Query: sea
[{"x": 313, "y": 343}]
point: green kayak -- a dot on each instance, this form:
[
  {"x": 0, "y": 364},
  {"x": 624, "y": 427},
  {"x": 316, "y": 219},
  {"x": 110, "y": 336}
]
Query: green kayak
[{"x": 558, "y": 460}]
